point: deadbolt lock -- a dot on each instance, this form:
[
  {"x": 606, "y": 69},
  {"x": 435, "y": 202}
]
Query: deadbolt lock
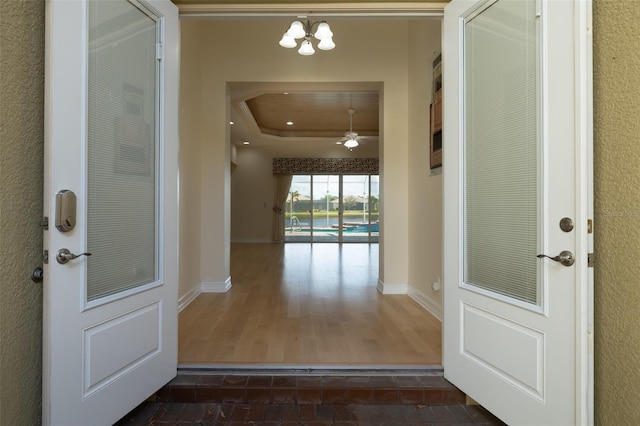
[
  {"x": 65, "y": 210},
  {"x": 566, "y": 224}
]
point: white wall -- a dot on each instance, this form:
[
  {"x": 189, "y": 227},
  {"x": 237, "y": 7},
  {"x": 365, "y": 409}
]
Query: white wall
[
  {"x": 190, "y": 165},
  {"x": 247, "y": 51},
  {"x": 251, "y": 196},
  {"x": 425, "y": 187}
]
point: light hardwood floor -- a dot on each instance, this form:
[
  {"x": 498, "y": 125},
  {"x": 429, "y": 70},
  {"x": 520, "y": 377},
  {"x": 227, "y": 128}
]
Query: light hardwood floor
[{"x": 305, "y": 305}]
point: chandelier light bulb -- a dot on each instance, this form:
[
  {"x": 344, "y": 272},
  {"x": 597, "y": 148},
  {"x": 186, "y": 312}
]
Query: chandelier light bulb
[
  {"x": 288, "y": 41},
  {"x": 323, "y": 31},
  {"x": 306, "y": 48},
  {"x": 351, "y": 143},
  {"x": 297, "y": 30},
  {"x": 326, "y": 44}
]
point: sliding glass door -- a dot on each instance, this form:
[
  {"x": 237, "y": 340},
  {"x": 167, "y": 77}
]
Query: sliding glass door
[
  {"x": 360, "y": 201},
  {"x": 326, "y": 209},
  {"x": 333, "y": 208},
  {"x": 297, "y": 219}
]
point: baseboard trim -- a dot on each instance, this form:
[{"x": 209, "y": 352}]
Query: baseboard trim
[
  {"x": 428, "y": 304},
  {"x": 392, "y": 288},
  {"x": 189, "y": 297},
  {"x": 211, "y": 287},
  {"x": 252, "y": 241},
  {"x": 219, "y": 287}
]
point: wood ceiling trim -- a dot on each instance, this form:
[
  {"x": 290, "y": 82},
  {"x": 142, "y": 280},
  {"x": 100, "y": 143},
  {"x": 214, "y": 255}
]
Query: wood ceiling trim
[{"x": 319, "y": 112}]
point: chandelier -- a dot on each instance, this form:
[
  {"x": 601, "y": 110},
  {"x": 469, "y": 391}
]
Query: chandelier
[{"x": 299, "y": 29}]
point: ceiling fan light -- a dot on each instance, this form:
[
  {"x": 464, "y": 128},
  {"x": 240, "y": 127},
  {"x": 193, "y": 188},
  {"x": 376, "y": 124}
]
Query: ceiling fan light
[
  {"x": 326, "y": 44},
  {"x": 288, "y": 41},
  {"x": 296, "y": 30},
  {"x": 351, "y": 143},
  {"x": 306, "y": 49},
  {"x": 323, "y": 31}
]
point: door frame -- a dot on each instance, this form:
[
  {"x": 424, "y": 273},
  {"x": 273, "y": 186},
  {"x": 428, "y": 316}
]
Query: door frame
[{"x": 436, "y": 10}]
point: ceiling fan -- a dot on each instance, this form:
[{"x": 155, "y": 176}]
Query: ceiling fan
[{"x": 351, "y": 138}]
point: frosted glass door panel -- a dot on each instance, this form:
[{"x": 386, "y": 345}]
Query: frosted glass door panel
[
  {"x": 501, "y": 154},
  {"x": 122, "y": 211}
]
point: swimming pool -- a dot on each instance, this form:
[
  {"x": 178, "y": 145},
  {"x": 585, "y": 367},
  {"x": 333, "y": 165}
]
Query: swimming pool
[{"x": 347, "y": 228}]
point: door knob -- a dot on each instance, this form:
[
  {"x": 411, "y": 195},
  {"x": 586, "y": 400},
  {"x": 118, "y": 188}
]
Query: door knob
[
  {"x": 64, "y": 255},
  {"x": 565, "y": 257}
]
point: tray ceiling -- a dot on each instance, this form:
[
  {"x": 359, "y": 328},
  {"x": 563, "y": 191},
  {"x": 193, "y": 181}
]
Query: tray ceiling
[{"x": 313, "y": 114}]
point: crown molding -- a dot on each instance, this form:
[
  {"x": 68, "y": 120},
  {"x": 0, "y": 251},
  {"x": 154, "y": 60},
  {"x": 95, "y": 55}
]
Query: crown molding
[{"x": 386, "y": 9}]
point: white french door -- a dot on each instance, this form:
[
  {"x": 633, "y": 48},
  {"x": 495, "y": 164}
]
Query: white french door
[
  {"x": 517, "y": 173},
  {"x": 111, "y": 144}
]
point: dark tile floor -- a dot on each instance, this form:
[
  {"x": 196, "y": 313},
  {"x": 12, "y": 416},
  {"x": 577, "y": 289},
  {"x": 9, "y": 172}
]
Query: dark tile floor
[
  {"x": 426, "y": 388},
  {"x": 270, "y": 414},
  {"x": 378, "y": 398}
]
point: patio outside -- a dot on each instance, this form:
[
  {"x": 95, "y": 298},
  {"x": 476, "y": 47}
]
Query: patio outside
[{"x": 315, "y": 212}]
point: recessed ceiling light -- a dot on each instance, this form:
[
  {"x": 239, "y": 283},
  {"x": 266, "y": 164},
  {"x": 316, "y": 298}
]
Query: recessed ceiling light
[
  {"x": 245, "y": 142},
  {"x": 289, "y": 123},
  {"x": 339, "y": 143},
  {"x": 231, "y": 122},
  {"x": 286, "y": 93}
]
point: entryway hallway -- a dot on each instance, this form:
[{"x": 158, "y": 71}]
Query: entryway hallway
[{"x": 307, "y": 304}]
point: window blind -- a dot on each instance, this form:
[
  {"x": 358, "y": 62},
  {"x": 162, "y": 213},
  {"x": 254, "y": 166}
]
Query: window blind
[
  {"x": 501, "y": 151},
  {"x": 122, "y": 225}
]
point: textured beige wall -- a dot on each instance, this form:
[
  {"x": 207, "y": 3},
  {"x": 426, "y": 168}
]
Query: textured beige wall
[
  {"x": 21, "y": 163},
  {"x": 617, "y": 211}
]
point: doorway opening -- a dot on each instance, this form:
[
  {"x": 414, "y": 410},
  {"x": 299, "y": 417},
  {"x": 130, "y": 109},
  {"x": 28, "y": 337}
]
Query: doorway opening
[{"x": 404, "y": 125}]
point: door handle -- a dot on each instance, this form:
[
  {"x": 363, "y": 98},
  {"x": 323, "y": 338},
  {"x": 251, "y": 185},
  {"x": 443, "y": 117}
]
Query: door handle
[
  {"x": 565, "y": 257},
  {"x": 64, "y": 255}
]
